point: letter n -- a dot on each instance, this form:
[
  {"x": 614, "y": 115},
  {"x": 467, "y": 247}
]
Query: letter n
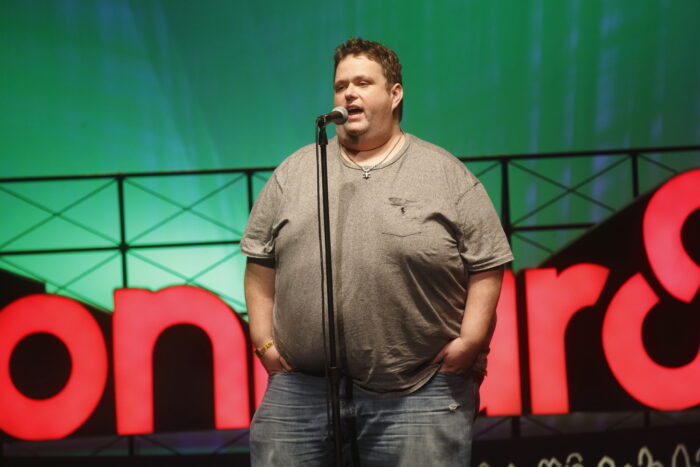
[{"x": 140, "y": 316}]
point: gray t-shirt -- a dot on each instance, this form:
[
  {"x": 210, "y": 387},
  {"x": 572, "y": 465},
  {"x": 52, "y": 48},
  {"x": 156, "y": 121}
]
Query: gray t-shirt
[{"x": 403, "y": 243}]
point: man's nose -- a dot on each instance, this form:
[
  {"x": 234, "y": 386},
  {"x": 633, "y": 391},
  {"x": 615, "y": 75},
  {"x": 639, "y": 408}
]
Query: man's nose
[{"x": 350, "y": 92}]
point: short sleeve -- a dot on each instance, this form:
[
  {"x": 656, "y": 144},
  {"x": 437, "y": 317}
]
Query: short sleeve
[
  {"x": 483, "y": 244},
  {"x": 261, "y": 230}
]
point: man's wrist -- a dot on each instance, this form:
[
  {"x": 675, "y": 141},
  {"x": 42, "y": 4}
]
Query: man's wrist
[{"x": 260, "y": 351}]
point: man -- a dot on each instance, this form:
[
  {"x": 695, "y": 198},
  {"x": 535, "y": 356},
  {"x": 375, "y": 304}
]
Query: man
[{"x": 418, "y": 252}]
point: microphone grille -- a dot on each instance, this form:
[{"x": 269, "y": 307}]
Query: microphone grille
[{"x": 343, "y": 111}]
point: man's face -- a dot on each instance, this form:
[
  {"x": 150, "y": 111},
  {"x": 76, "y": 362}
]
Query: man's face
[{"x": 361, "y": 87}]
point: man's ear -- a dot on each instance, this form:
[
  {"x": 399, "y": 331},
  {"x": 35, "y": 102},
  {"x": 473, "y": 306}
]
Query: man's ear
[{"x": 396, "y": 95}]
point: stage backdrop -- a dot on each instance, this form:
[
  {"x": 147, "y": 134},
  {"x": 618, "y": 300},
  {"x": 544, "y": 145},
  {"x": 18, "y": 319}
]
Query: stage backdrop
[
  {"x": 122, "y": 86},
  {"x": 117, "y": 85},
  {"x": 111, "y": 86}
]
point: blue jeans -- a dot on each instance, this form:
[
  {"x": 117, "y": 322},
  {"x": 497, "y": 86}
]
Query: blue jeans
[{"x": 431, "y": 426}]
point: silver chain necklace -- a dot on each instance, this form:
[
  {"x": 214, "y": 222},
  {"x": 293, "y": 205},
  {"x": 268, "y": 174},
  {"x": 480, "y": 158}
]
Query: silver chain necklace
[{"x": 366, "y": 170}]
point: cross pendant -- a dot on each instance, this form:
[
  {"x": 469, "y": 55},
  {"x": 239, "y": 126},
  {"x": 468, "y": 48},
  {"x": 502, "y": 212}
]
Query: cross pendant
[{"x": 365, "y": 174}]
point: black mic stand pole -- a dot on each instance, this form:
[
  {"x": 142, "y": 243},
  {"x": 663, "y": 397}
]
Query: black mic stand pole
[{"x": 332, "y": 371}]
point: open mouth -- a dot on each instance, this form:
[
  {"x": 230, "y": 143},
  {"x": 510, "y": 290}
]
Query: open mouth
[{"x": 354, "y": 111}]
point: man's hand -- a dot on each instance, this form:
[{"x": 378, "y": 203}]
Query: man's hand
[
  {"x": 483, "y": 290},
  {"x": 274, "y": 362},
  {"x": 457, "y": 356}
]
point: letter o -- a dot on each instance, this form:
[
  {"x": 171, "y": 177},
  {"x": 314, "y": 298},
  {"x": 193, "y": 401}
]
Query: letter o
[{"x": 61, "y": 414}]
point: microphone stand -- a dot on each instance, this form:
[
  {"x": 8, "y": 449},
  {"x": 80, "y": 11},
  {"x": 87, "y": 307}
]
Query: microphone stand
[{"x": 332, "y": 369}]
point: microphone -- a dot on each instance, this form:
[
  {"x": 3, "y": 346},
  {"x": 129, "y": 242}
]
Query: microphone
[{"x": 338, "y": 115}]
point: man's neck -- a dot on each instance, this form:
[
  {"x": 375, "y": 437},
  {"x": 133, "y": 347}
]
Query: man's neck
[{"x": 372, "y": 153}]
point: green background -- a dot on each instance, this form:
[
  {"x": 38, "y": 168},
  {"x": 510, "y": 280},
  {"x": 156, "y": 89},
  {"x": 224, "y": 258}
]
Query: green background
[{"x": 107, "y": 86}]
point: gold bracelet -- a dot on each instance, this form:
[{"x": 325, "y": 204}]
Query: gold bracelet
[{"x": 261, "y": 351}]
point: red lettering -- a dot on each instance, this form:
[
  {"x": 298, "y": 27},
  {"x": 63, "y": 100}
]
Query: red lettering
[
  {"x": 61, "y": 414},
  {"x": 668, "y": 209},
  {"x": 140, "y": 316},
  {"x": 260, "y": 381},
  {"x": 501, "y": 393},
  {"x": 552, "y": 299},
  {"x": 624, "y": 348},
  {"x": 650, "y": 383}
]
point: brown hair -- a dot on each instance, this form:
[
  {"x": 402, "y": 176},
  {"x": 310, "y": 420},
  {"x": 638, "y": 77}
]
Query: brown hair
[{"x": 391, "y": 66}]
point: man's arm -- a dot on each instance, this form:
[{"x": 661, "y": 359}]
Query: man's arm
[
  {"x": 483, "y": 290},
  {"x": 259, "y": 285}
]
